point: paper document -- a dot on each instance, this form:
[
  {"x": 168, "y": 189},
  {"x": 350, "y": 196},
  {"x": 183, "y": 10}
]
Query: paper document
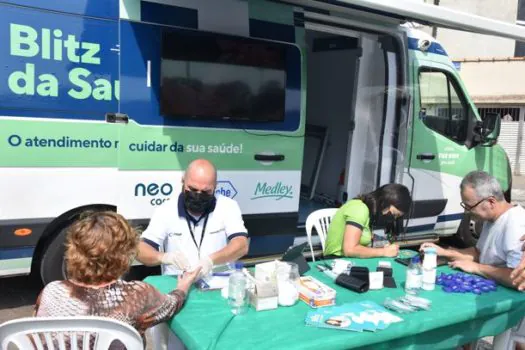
[{"x": 213, "y": 282}]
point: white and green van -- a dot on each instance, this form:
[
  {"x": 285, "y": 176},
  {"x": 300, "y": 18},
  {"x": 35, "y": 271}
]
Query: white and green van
[{"x": 299, "y": 103}]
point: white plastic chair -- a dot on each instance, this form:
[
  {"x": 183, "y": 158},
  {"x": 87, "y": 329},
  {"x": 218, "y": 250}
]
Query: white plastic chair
[
  {"x": 508, "y": 339},
  {"x": 46, "y": 332},
  {"x": 320, "y": 219}
]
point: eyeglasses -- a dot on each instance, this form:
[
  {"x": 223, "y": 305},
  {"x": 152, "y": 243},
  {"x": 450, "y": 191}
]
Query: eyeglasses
[{"x": 469, "y": 208}]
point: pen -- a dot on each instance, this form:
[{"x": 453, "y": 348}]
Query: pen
[{"x": 221, "y": 274}]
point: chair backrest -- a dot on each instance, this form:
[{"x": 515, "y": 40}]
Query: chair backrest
[
  {"x": 320, "y": 219},
  {"x": 510, "y": 338},
  {"x": 57, "y": 332}
]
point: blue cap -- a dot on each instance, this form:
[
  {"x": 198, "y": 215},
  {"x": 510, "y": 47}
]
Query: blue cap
[
  {"x": 430, "y": 250},
  {"x": 416, "y": 259},
  {"x": 239, "y": 265}
]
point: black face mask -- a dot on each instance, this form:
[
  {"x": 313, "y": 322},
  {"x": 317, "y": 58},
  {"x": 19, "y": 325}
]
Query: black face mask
[
  {"x": 392, "y": 228},
  {"x": 198, "y": 202}
]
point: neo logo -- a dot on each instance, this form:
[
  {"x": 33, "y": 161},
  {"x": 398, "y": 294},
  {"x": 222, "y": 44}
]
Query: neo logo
[{"x": 154, "y": 190}]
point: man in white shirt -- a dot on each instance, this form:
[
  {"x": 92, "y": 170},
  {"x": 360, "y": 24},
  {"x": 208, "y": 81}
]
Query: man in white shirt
[
  {"x": 199, "y": 228},
  {"x": 498, "y": 250}
]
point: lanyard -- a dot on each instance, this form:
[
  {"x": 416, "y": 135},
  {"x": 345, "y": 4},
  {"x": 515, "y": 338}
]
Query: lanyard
[{"x": 202, "y": 235}]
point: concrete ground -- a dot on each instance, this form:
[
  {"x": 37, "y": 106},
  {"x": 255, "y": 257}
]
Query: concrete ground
[{"x": 18, "y": 294}]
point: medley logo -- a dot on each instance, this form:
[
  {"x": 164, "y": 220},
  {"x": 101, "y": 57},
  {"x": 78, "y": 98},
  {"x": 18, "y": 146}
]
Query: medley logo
[{"x": 277, "y": 191}]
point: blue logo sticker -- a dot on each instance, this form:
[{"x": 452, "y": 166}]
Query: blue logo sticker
[{"x": 226, "y": 189}]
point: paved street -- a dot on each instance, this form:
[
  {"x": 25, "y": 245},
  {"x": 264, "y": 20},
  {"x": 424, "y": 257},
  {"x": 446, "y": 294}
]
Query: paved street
[{"x": 18, "y": 294}]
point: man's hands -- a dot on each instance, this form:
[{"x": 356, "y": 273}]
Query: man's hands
[
  {"x": 465, "y": 265},
  {"x": 176, "y": 258},
  {"x": 518, "y": 274},
  {"x": 179, "y": 260},
  {"x": 205, "y": 266},
  {"x": 439, "y": 251}
]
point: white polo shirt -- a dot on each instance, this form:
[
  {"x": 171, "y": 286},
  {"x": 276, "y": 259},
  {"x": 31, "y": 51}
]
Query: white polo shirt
[
  {"x": 172, "y": 227},
  {"x": 499, "y": 243}
]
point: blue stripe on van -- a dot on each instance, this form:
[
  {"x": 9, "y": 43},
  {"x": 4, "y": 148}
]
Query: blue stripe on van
[
  {"x": 16, "y": 253},
  {"x": 434, "y": 47},
  {"x": 450, "y": 217},
  {"x": 272, "y": 31},
  {"x": 169, "y": 15},
  {"x": 91, "y": 8}
]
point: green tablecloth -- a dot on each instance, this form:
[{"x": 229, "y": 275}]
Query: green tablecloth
[{"x": 206, "y": 322}]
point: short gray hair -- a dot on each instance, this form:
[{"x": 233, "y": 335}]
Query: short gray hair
[{"x": 484, "y": 184}]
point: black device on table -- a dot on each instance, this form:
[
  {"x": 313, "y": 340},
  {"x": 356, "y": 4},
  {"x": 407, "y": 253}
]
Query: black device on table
[{"x": 295, "y": 254}]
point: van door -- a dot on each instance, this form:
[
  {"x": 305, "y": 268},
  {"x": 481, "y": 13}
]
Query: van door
[
  {"x": 441, "y": 152},
  {"x": 175, "y": 89}
]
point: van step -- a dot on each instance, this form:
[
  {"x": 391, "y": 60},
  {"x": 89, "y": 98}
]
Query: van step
[{"x": 416, "y": 240}]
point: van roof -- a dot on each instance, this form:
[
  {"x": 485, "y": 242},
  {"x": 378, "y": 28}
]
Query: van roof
[{"x": 418, "y": 11}]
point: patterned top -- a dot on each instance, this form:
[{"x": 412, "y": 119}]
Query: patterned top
[{"x": 136, "y": 303}]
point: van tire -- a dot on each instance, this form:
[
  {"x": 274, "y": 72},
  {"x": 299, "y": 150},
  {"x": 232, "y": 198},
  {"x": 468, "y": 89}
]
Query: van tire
[
  {"x": 469, "y": 231},
  {"x": 52, "y": 266}
]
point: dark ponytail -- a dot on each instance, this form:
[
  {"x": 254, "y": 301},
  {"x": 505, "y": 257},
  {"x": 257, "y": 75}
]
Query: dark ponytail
[{"x": 385, "y": 196}]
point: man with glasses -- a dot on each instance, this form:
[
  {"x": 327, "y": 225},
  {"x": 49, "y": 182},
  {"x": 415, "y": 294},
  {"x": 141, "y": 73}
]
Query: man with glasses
[
  {"x": 498, "y": 250},
  {"x": 199, "y": 228}
]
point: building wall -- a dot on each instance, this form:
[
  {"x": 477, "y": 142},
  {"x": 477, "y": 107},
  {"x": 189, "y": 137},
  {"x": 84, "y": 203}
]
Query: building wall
[
  {"x": 494, "y": 82},
  {"x": 461, "y": 44}
]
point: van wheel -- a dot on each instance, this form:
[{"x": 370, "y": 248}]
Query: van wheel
[
  {"x": 52, "y": 264},
  {"x": 469, "y": 231}
]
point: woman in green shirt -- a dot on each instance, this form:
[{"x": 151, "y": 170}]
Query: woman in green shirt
[{"x": 350, "y": 232}]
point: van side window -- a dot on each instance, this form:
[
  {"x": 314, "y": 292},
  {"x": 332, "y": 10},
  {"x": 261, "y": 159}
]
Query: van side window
[{"x": 442, "y": 108}]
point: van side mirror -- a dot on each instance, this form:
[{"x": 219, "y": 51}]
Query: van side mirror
[{"x": 487, "y": 131}]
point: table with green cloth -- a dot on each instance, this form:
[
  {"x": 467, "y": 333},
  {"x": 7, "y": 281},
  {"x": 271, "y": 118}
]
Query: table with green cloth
[{"x": 206, "y": 321}]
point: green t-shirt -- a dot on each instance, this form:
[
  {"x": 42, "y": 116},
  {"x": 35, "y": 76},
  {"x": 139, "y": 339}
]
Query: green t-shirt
[{"x": 354, "y": 212}]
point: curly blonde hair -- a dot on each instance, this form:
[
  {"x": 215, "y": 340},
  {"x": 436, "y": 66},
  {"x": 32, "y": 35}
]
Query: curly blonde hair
[{"x": 100, "y": 248}]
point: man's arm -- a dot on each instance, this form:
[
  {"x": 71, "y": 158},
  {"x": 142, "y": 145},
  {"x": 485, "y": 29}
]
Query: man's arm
[
  {"x": 148, "y": 255},
  {"x": 234, "y": 250},
  {"x": 151, "y": 239},
  {"x": 518, "y": 274},
  {"x": 237, "y": 234},
  {"x": 469, "y": 254},
  {"x": 500, "y": 274}
]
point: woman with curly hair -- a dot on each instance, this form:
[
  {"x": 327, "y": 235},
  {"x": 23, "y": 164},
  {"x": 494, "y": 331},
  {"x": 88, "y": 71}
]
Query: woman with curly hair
[{"x": 99, "y": 249}]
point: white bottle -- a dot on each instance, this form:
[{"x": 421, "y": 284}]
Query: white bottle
[
  {"x": 237, "y": 290},
  {"x": 414, "y": 276},
  {"x": 429, "y": 269}
]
